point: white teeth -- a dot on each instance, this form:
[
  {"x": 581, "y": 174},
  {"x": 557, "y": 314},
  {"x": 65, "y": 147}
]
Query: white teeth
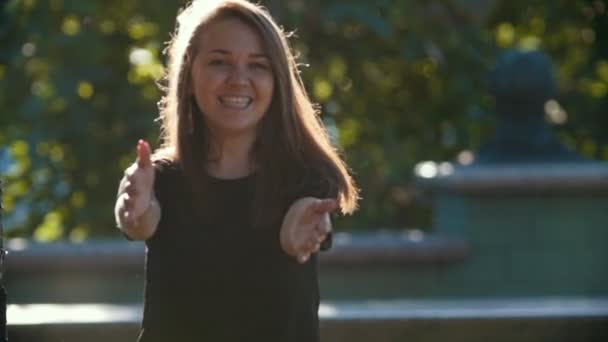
[{"x": 236, "y": 101}]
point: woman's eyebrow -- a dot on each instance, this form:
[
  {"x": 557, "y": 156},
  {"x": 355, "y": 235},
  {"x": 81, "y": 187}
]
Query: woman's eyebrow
[
  {"x": 220, "y": 51},
  {"x": 258, "y": 55},
  {"x": 253, "y": 55}
]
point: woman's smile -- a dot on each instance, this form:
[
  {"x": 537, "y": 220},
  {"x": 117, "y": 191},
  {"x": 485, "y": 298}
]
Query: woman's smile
[{"x": 235, "y": 102}]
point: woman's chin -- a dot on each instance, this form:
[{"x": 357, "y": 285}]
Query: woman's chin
[{"x": 235, "y": 128}]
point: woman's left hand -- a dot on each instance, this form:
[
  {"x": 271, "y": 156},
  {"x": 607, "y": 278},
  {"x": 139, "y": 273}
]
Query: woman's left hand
[{"x": 305, "y": 225}]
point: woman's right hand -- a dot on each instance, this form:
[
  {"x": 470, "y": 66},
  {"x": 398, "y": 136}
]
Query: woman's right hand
[
  {"x": 136, "y": 192},
  {"x": 305, "y": 226}
]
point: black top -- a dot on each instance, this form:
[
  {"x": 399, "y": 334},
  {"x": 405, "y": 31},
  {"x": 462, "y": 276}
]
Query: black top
[{"x": 216, "y": 278}]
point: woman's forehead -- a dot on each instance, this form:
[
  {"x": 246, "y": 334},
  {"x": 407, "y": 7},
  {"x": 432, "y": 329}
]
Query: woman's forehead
[{"x": 231, "y": 35}]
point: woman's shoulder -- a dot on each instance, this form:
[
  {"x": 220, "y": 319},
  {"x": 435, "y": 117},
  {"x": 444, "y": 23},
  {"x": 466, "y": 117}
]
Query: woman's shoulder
[
  {"x": 163, "y": 165},
  {"x": 168, "y": 177},
  {"x": 165, "y": 162},
  {"x": 167, "y": 171}
]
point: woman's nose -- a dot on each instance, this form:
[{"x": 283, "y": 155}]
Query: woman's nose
[{"x": 239, "y": 76}]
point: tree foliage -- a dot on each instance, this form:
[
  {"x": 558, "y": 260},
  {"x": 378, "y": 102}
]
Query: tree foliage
[{"x": 399, "y": 81}]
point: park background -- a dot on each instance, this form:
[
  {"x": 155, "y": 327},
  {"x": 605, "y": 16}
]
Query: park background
[
  {"x": 399, "y": 82},
  {"x": 518, "y": 254}
]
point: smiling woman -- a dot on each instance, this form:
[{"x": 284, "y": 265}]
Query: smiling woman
[{"x": 236, "y": 203}]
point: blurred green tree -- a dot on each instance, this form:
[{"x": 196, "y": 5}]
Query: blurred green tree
[
  {"x": 399, "y": 82},
  {"x": 77, "y": 90}
]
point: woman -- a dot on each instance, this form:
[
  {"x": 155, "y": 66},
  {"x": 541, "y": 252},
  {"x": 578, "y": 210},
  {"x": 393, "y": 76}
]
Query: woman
[{"x": 236, "y": 203}]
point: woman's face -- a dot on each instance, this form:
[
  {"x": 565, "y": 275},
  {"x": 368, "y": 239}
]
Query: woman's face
[{"x": 232, "y": 78}]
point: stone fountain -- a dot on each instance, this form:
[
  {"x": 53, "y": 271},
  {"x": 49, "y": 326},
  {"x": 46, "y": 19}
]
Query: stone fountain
[{"x": 535, "y": 213}]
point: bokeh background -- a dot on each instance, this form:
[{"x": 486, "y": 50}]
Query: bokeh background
[{"x": 398, "y": 82}]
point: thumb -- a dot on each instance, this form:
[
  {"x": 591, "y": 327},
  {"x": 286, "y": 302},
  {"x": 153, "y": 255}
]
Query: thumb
[
  {"x": 143, "y": 154},
  {"x": 326, "y": 205}
]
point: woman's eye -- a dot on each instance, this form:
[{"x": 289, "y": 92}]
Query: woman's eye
[
  {"x": 260, "y": 66},
  {"x": 217, "y": 62}
]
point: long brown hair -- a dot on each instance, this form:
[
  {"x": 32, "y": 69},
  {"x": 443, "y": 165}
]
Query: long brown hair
[{"x": 292, "y": 140}]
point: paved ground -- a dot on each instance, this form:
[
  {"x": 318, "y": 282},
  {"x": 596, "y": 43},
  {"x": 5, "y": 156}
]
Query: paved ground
[
  {"x": 370, "y": 310},
  {"x": 476, "y": 320}
]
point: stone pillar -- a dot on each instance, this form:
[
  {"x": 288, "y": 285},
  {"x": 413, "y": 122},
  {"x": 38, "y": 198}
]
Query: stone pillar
[{"x": 534, "y": 213}]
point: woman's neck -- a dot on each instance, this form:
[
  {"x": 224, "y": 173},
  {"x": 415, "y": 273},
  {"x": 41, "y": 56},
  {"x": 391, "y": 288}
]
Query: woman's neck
[{"x": 231, "y": 158}]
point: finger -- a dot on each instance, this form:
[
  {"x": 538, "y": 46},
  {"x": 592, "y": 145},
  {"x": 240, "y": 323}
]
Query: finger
[
  {"x": 130, "y": 171},
  {"x": 316, "y": 207},
  {"x": 125, "y": 215},
  {"x": 128, "y": 201},
  {"x": 326, "y": 205},
  {"x": 321, "y": 238},
  {"x": 143, "y": 154},
  {"x": 131, "y": 189},
  {"x": 324, "y": 226},
  {"x": 317, "y": 248},
  {"x": 303, "y": 247},
  {"x": 121, "y": 209},
  {"x": 303, "y": 258},
  {"x": 310, "y": 244},
  {"x": 130, "y": 219}
]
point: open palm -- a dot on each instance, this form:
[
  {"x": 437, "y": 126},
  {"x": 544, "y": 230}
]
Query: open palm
[{"x": 305, "y": 225}]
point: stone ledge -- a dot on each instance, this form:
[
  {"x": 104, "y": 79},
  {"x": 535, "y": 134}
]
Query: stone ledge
[
  {"x": 112, "y": 256},
  {"x": 394, "y": 249},
  {"x": 523, "y": 319},
  {"x": 482, "y": 309},
  {"x": 520, "y": 178},
  {"x": 90, "y": 257}
]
